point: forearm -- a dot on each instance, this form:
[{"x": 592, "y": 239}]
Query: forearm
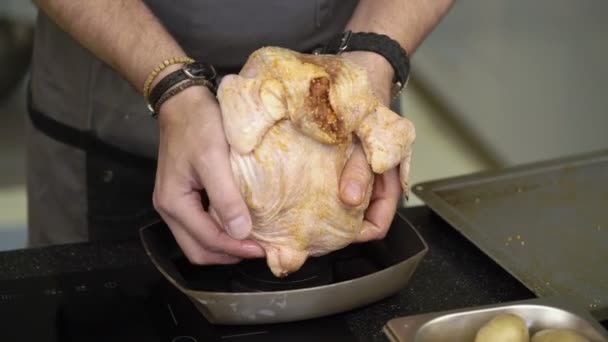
[
  {"x": 406, "y": 21},
  {"x": 122, "y": 33}
]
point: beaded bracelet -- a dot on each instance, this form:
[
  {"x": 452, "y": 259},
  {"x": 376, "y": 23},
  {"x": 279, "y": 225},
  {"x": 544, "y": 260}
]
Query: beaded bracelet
[{"x": 160, "y": 67}]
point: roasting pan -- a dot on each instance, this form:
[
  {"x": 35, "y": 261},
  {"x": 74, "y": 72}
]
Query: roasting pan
[
  {"x": 546, "y": 223},
  {"x": 360, "y": 274}
]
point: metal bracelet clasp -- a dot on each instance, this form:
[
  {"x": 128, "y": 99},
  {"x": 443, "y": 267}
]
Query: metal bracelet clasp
[{"x": 344, "y": 42}]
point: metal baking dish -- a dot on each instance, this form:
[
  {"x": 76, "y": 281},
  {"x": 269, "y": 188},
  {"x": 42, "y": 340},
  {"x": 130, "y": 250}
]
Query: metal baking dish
[
  {"x": 462, "y": 325},
  {"x": 396, "y": 257},
  {"x": 546, "y": 223}
]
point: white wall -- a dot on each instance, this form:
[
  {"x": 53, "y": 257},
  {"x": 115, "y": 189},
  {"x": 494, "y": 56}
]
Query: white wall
[{"x": 528, "y": 79}]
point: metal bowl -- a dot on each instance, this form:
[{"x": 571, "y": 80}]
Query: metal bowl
[
  {"x": 362, "y": 274},
  {"x": 462, "y": 325}
]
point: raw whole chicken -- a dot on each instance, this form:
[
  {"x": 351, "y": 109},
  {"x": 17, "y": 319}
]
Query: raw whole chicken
[{"x": 291, "y": 121}]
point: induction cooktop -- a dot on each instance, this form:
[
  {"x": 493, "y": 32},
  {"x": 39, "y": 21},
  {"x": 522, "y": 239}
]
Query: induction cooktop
[{"x": 131, "y": 304}]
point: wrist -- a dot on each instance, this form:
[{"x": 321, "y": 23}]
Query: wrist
[
  {"x": 177, "y": 78},
  {"x": 380, "y": 72},
  {"x": 378, "y": 44},
  {"x": 190, "y": 100},
  {"x": 166, "y": 71},
  {"x": 160, "y": 69}
]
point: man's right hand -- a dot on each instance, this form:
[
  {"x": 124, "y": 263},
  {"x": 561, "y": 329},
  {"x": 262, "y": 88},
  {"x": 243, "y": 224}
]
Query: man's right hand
[{"x": 194, "y": 155}]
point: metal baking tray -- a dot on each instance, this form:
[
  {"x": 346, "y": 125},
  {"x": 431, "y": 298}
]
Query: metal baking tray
[
  {"x": 462, "y": 325},
  {"x": 546, "y": 223},
  {"x": 396, "y": 257}
]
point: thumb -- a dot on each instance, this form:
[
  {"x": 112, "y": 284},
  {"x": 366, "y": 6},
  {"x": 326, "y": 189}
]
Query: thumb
[
  {"x": 227, "y": 205},
  {"x": 229, "y": 210},
  {"x": 356, "y": 178}
]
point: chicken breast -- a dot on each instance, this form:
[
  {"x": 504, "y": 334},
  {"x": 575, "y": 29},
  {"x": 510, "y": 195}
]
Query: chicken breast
[{"x": 292, "y": 121}]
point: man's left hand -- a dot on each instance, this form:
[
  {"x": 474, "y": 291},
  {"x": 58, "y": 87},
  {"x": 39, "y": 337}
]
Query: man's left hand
[{"x": 357, "y": 173}]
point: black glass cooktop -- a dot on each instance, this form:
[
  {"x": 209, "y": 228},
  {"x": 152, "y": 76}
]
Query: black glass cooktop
[{"x": 130, "y": 305}]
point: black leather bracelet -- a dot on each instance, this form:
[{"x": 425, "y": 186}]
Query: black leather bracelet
[
  {"x": 176, "y": 90},
  {"x": 373, "y": 42},
  {"x": 193, "y": 71},
  {"x": 165, "y": 84}
]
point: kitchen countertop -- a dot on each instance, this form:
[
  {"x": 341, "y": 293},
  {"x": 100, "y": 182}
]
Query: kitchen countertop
[{"x": 454, "y": 273}]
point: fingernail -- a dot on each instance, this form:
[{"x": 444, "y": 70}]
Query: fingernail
[
  {"x": 353, "y": 192},
  {"x": 239, "y": 228}
]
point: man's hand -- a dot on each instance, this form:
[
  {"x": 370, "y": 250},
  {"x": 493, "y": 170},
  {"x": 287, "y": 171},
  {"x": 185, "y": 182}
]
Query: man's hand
[
  {"x": 408, "y": 22},
  {"x": 357, "y": 173},
  {"x": 194, "y": 155}
]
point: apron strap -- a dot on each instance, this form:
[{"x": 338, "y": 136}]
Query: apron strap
[{"x": 83, "y": 140}]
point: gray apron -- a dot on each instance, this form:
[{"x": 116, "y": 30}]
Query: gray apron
[{"x": 91, "y": 142}]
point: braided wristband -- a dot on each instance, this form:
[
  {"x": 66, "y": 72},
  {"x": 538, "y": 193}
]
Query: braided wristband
[{"x": 160, "y": 67}]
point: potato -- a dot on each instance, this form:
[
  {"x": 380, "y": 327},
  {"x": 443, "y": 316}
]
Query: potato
[
  {"x": 504, "y": 328},
  {"x": 558, "y": 335}
]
